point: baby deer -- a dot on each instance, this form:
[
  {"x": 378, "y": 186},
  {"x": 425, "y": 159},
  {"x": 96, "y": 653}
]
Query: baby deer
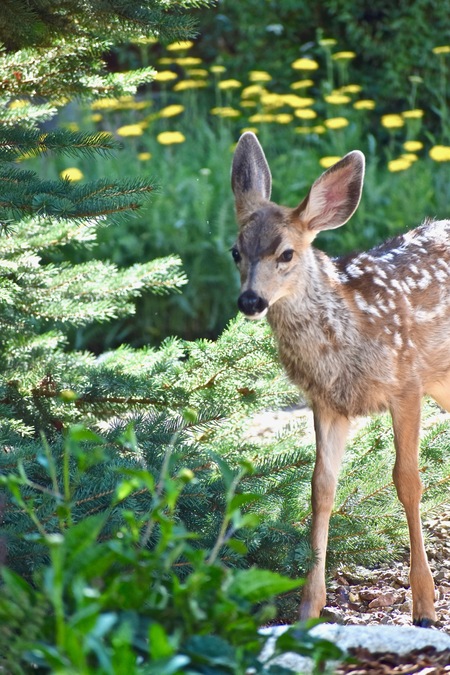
[{"x": 359, "y": 334}]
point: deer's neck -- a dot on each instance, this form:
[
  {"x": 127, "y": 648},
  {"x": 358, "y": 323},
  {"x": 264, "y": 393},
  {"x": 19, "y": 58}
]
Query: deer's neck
[
  {"x": 317, "y": 309},
  {"x": 320, "y": 342}
]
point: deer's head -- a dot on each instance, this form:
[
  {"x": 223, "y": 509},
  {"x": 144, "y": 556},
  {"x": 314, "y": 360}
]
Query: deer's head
[{"x": 273, "y": 240}]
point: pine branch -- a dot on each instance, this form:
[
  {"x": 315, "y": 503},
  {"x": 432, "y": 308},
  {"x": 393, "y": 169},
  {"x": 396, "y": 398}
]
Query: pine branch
[{"x": 16, "y": 142}]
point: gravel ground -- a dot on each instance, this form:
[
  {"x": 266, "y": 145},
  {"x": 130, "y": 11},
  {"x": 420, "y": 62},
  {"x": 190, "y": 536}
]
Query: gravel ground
[{"x": 383, "y": 596}]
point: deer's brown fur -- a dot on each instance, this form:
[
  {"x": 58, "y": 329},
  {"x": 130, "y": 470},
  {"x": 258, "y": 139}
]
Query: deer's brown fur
[{"x": 360, "y": 334}]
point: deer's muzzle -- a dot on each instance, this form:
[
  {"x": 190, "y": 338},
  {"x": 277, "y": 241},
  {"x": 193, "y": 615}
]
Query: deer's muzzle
[{"x": 252, "y": 305}]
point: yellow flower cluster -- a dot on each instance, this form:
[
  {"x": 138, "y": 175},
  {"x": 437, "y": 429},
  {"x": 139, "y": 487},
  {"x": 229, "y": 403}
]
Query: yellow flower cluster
[{"x": 312, "y": 106}]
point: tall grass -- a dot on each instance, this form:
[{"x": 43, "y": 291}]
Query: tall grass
[{"x": 183, "y": 131}]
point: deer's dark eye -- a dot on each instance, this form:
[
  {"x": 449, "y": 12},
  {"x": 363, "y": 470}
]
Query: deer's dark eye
[
  {"x": 286, "y": 256},
  {"x": 236, "y": 255}
]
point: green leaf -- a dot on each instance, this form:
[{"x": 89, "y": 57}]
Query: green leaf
[
  {"x": 79, "y": 433},
  {"x": 211, "y": 650},
  {"x": 170, "y": 666},
  {"x": 299, "y": 640},
  {"x": 258, "y": 585},
  {"x": 14, "y": 582},
  {"x": 228, "y": 474},
  {"x": 158, "y": 642},
  {"x": 238, "y": 546},
  {"x": 239, "y": 500}
]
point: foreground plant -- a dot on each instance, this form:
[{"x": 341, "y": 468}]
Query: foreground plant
[{"x": 141, "y": 598}]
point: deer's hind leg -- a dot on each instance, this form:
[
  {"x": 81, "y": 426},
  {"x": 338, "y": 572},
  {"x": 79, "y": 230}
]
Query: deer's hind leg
[
  {"x": 405, "y": 412},
  {"x": 440, "y": 391}
]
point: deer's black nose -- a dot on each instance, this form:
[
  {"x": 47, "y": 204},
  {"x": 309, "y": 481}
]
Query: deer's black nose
[{"x": 250, "y": 304}]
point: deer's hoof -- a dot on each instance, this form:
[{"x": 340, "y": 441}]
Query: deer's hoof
[{"x": 423, "y": 622}]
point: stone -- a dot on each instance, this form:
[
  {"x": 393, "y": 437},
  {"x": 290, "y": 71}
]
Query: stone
[{"x": 377, "y": 639}]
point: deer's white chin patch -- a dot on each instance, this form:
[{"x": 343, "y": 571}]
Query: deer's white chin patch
[{"x": 256, "y": 317}]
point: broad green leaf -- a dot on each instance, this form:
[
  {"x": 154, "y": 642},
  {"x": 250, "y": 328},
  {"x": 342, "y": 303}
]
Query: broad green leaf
[{"x": 258, "y": 585}]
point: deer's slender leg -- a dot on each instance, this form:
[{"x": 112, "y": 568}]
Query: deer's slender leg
[
  {"x": 440, "y": 391},
  {"x": 331, "y": 435},
  {"x": 406, "y": 422}
]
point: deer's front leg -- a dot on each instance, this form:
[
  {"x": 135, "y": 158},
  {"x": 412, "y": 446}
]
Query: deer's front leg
[
  {"x": 406, "y": 422},
  {"x": 331, "y": 435}
]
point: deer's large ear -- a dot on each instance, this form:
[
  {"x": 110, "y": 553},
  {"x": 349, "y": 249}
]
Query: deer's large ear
[
  {"x": 250, "y": 175},
  {"x": 334, "y": 197}
]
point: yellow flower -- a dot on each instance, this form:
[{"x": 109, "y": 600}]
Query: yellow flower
[
  {"x": 440, "y": 153},
  {"x": 171, "y": 110},
  {"x": 230, "y": 84},
  {"x": 318, "y": 129},
  {"x": 188, "y": 61},
  {"x": 412, "y": 146},
  {"x": 283, "y": 118},
  {"x": 170, "y": 137},
  {"x": 301, "y": 84},
  {"x": 165, "y": 76},
  {"x": 189, "y": 84},
  {"x": 72, "y": 126},
  {"x": 295, "y": 101},
  {"x": 144, "y": 156},
  {"x": 105, "y": 104},
  {"x": 336, "y": 123},
  {"x": 178, "y": 46},
  {"x": 252, "y": 129},
  {"x": 225, "y": 112},
  {"x": 305, "y": 64},
  {"x": 327, "y": 42},
  {"x": 197, "y": 72},
  {"x": 343, "y": 56},
  {"x": 444, "y": 49},
  {"x": 400, "y": 164},
  {"x": 364, "y": 104},
  {"x": 326, "y": 162},
  {"x": 392, "y": 121},
  {"x": 217, "y": 69},
  {"x": 18, "y": 103},
  {"x": 253, "y": 90},
  {"x": 409, "y": 157},
  {"x": 337, "y": 99},
  {"x": 144, "y": 40},
  {"x": 130, "y": 130},
  {"x": 248, "y": 103},
  {"x": 351, "y": 89},
  {"x": 261, "y": 117},
  {"x": 72, "y": 174},
  {"x": 272, "y": 101},
  {"x": 96, "y": 117},
  {"x": 412, "y": 114},
  {"x": 259, "y": 76},
  {"x": 305, "y": 113}
]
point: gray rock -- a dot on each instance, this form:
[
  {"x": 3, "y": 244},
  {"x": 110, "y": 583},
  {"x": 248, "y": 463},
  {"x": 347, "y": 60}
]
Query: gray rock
[{"x": 377, "y": 639}]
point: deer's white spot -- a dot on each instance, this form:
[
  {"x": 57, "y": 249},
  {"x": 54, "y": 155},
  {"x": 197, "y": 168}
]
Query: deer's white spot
[
  {"x": 398, "y": 342},
  {"x": 425, "y": 281},
  {"x": 364, "y": 306}
]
